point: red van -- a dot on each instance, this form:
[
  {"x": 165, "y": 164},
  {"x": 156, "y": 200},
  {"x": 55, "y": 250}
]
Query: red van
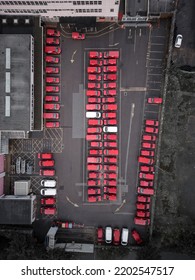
[
  {"x": 47, "y": 172},
  {"x": 111, "y": 54},
  {"x": 93, "y": 92},
  {"x": 94, "y": 159},
  {"x": 141, "y": 221},
  {"x": 111, "y": 152},
  {"x": 45, "y": 155},
  {"x": 49, "y": 162},
  {"x": 146, "y": 160},
  {"x": 93, "y": 54},
  {"x": 48, "y": 210},
  {"x": 48, "y": 201},
  {"x": 51, "y": 115}
]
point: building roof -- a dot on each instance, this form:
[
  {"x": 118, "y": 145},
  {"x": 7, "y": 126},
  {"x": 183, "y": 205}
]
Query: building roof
[
  {"x": 16, "y": 211},
  {"x": 19, "y": 46}
]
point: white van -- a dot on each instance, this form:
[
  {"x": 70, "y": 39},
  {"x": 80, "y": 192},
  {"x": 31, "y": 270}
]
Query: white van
[
  {"x": 124, "y": 236},
  {"x": 48, "y": 192},
  {"x": 93, "y": 115},
  {"x": 48, "y": 183},
  {"x": 112, "y": 129},
  {"x": 108, "y": 235}
]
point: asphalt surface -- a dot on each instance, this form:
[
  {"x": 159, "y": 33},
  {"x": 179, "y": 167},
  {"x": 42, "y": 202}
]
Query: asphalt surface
[{"x": 70, "y": 164}]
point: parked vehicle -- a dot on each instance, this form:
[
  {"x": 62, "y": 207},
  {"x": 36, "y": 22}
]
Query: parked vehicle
[
  {"x": 148, "y": 137},
  {"x": 53, "y": 32},
  {"x": 152, "y": 122},
  {"x": 109, "y": 69},
  {"x": 146, "y": 191},
  {"x": 136, "y": 236},
  {"x": 124, "y": 236},
  {"x": 111, "y": 197},
  {"x": 109, "y": 62},
  {"x": 111, "y": 137},
  {"x": 94, "y": 198},
  {"x": 110, "y": 175},
  {"x": 91, "y": 137},
  {"x": 100, "y": 234},
  {"x": 94, "y": 191},
  {"x": 48, "y": 210},
  {"x": 92, "y": 107},
  {"x": 45, "y": 156},
  {"x": 109, "y": 107},
  {"x": 94, "y": 175},
  {"x": 109, "y": 85},
  {"x": 110, "y": 129},
  {"x": 109, "y": 100},
  {"x": 110, "y": 77},
  {"x": 52, "y": 106},
  {"x": 110, "y": 168},
  {"x": 78, "y": 36},
  {"x": 52, "y": 50},
  {"x": 92, "y": 69},
  {"x": 95, "y": 62},
  {"x": 95, "y": 122},
  {"x": 46, "y": 162},
  {"x": 93, "y": 85},
  {"x": 142, "y": 206},
  {"x": 48, "y": 192},
  {"x": 108, "y": 235},
  {"x": 52, "y": 80},
  {"x": 116, "y": 236},
  {"x": 150, "y": 129},
  {"x": 93, "y": 92},
  {"x": 48, "y": 183},
  {"x": 144, "y": 183},
  {"x": 141, "y": 221},
  {"x": 94, "y": 183},
  {"x": 93, "y": 115},
  {"x": 51, "y": 98},
  {"x": 145, "y": 168},
  {"x": 146, "y": 160},
  {"x": 94, "y": 159},
  {"x": 52, "y": 70},
  {"x": 95, "y": 152},
  {"x": 95, "y": 167},
  {"x": 110, "y": 160},
  {"x": 52, "y": 41},
  {"x": 94, "y": 54},
  {"x": 109, "y": 115},
  {"x": 51, "y": 115},
  {"x": 143, "y": 214},
  {"x": 147, "y": 153},
  {"x": 94, "y": 100},
  {"x": 111, "y": 183},
  {"x": 155, "y": 100},
  {"x": 110, "y": 122},
  {"x": 147, "y": 176},
  {"x": 47, "y": 172},
  {"x": 142, "y": 198},
  {"x": 111, "y": 54},
  {"x": 110, "y": 190},
  {"x": 48, "y": 201},
  {"x": 148, "y": 145},
  {"x": 94, "y": 130},
  {"x": 111, "y": 152},
  {"x": 96, "y": 144},
  {"x": 52, "y": 59},
  {"x": 178, "y": 41},
  {"x": 52, "y": 124},
  {"x": 94, "y": 77},
  {"x": 108, "y": 92}
]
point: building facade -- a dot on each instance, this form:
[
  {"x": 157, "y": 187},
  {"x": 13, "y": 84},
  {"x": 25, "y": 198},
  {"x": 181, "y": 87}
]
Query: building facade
[{"x": 54, "y": 9}]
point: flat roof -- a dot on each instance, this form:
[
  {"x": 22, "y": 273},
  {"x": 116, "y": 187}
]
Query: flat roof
[{"x": 15, "y": 81}]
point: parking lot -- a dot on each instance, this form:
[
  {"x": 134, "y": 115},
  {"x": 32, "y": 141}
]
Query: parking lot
[{"x": 140, "y": 67}]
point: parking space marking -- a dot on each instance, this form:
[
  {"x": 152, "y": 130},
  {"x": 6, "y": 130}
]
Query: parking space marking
[
  {"x": 124, "y": 213},
  {"x": 134, "y": 48},
  {"x": 133, "y": 89},
  {"x": 129, "y": 136}
]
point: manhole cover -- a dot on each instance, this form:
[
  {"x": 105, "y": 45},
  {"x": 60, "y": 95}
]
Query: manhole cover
[
  {"x": 61, "y": 187},
  {"x": 125, "y": 93}
]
